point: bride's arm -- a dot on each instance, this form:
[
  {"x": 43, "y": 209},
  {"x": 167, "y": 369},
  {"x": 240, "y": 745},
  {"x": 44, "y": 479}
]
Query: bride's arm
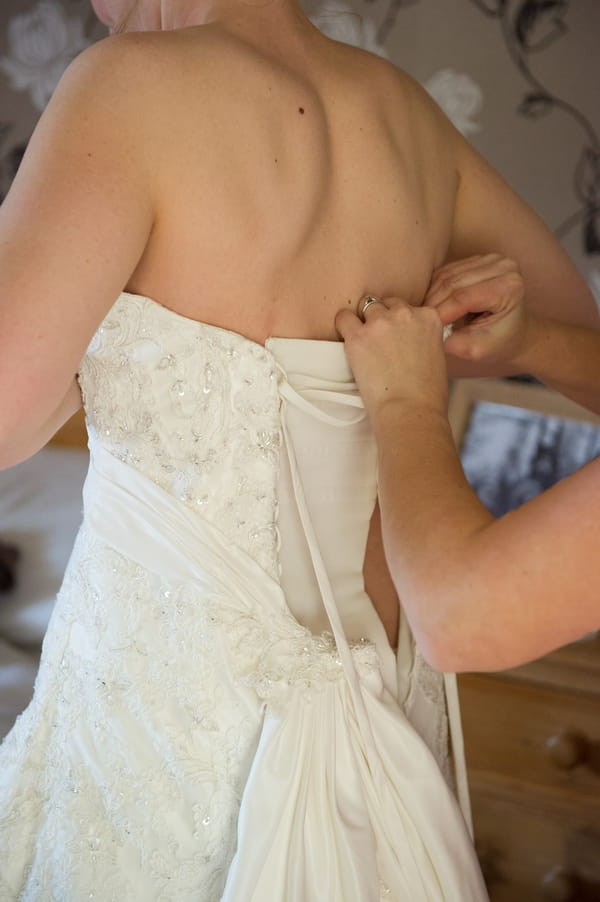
[
  {"x": 72, "y": 230},
  {"x": 20, "y": 444},
  {"x": 489, "y": 215}
]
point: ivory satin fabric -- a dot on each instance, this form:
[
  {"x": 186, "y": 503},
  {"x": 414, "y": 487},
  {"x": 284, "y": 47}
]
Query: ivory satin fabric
[{"x": 218, "y": 713}]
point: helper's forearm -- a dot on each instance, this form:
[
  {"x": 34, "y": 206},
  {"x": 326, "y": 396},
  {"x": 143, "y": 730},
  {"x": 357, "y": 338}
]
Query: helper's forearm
[
  {"x": 429, "y": 514},
  {"x": 481, "y": 593},
  {"x": 566, "y": 358}
]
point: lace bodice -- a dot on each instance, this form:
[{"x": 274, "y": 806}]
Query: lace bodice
[
  {"x": 199, "y": 411},
  {"x": 184, "y": 403},
  {"x": 191, "y": 739}
]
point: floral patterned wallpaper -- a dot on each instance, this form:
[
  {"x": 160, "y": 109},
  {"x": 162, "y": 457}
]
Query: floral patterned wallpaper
[
  {"x": 37, "y": 42},
  {"x": 41, "y": 44},
  {"x": 518, "y": 77}
]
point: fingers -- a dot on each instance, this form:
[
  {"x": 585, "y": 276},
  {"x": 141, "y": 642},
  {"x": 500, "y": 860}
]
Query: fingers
[
  {"x": 453, "y": 278},
  {"x": 396, "y": 354},
  {"x": 482, "y": 291},
  {"x": 473, "y": 346},
  {"x": 481, "y": 296},
  {"x": 465, "y": 346},
  {"x": 390, "y": 320},
  {"x": 493, "y": 298},
  {"x": 493, "y": 336},
  {"x": 398, "y": 317},
  {"x": 459, "y": 267},
  {"x": 347, "y": 323}
]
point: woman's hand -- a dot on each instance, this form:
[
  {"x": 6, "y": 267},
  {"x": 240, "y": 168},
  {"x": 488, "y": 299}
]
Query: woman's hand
[
  {"x": 483, "y": 297},
  {"x": 396, "y": 355}
]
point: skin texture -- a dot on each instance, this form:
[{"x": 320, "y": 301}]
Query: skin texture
[
  {"x": 480, "y": 593},
  {"x": 484, "y": 296},
  {"x": 243, "y": 170}
]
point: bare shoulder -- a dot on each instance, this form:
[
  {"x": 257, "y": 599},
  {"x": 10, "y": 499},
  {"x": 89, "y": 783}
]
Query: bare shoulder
[
  {"x": 427, "y": 140},
  {"x": 396, "y": 90},
  {"x": 139, "y": 72},
  {"x": 120, "y": 87},
  {"x": 111, "y": 72}
]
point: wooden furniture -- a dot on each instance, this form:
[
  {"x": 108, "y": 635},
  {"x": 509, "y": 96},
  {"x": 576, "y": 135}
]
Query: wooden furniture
[{"x": 532, "y": 737}]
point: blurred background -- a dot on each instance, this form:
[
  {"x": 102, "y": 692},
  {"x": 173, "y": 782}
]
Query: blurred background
[{"x": 518, "y": 77}]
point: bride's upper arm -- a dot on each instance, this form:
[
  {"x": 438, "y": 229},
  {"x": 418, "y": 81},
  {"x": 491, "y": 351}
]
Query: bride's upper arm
[
  {"x": 491, "y": 217},
  {"x": 72, "y": 230}
]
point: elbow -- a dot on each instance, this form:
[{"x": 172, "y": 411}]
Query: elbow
[
  {"x": 8, "y": 456},
  {"x": 456, "y": 638},
  {"x": 10, "y": 459},
  {"x": 443, "y": 621},
  {"x": 444, "y": 655},
  {"x": 24, "y": 431},
  {"x": 443, "y": 640},
  {"x": 455, "y": 656},
  {"x": 14, "y": 447},
  {"x": 466, "y": 647},
  {"x": 452, "y": 608}
]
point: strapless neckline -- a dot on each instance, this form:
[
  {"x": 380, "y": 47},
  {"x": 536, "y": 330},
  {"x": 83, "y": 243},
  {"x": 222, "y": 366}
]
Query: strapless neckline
[
  {"x": 269, "y": 342},
  {"x": 212, "y": 746}
]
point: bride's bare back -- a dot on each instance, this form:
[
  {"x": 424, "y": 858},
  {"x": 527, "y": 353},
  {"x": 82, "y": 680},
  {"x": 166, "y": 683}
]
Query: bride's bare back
[
  {"x": 288, "y": 192},
  {"x": 289, "y": 186}
]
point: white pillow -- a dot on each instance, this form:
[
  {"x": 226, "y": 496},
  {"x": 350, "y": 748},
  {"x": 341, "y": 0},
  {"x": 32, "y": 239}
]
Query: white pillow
[{"x": 40, "y": 512}]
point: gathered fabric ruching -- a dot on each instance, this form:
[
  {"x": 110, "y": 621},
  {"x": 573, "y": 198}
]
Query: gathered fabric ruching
[{"x": 218, "y": 715}]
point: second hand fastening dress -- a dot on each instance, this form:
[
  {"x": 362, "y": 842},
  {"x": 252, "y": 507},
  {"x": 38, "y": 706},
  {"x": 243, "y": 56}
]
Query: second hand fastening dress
[{"x": 219, "y": 716}]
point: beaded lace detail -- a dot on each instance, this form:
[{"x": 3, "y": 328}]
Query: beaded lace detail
[
  {"x": 429, "y": 685},
  {"x": 133, "y": 757},
  {"x": 191, "y": 734},
  {"x": 198, "y": 729},
  {"x": 220, "y": 392}
]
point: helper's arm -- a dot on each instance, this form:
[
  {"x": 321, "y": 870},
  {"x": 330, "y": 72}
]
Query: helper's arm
[{"x": 479, "y": 593}]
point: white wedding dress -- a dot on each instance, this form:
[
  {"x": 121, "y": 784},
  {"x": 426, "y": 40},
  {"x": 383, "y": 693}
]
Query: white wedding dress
[{"x": 218, "y": 715}]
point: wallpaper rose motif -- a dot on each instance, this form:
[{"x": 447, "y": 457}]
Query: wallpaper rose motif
[
  {"x": 41, "y": 44},
  {"x": 459, "y": 96},
  {"x": 350, "y": 21},
  {"x": 529, "y": 28},
  {"x": 349, "y": 28}
]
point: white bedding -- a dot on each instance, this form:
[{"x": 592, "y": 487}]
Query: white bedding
[{"x": 40, "y": 511}]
